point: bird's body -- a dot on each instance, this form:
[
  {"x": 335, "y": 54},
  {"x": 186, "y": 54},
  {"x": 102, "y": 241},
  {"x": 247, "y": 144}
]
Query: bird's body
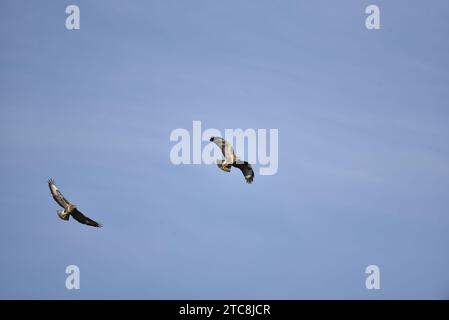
[
  {"x": 231, "y": 160},
  {"x": 69, "y": 208}
]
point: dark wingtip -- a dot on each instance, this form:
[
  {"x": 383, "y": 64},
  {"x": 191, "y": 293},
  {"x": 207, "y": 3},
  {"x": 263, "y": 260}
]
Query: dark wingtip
[
  {"x": 97, "y": 225},
  {"x": 250, "y": 179}
]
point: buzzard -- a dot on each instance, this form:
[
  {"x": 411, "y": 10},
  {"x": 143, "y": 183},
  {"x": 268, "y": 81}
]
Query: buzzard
[
  {"x": 232, "y": 160},
  {"x": 69, "y": 209}
]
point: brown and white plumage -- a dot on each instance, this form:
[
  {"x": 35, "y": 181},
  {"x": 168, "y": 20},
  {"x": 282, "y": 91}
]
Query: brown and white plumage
[
  {"x": 231, "y": 160},
  {"x": 69, "y": 209}
]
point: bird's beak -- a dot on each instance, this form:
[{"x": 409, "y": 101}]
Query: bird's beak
[{"x": 211, "y": 139}]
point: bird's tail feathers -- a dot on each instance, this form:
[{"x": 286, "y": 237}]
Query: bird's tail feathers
[{"x": 62, "y": 215}]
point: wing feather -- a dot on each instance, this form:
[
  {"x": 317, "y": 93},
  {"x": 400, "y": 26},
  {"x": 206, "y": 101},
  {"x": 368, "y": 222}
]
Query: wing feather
[
  {"x": 57, "y": 195},
  {"x": 226, "y": 149},
  {"x": 81, "y": 218},
  {"x": 246, "y": 169}
]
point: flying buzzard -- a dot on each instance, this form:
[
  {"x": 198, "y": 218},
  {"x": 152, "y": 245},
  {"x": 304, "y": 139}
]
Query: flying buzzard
[
  {"x": 69, "y": 209},
  {"x": 232, "y": 160}
]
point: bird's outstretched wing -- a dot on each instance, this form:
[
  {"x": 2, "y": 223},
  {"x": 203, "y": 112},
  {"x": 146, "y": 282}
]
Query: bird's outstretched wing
[
  {"x": 81, "y": 218},
  {"x": 246, "y": 169},
  {"x": 226, "y": 148},
  {"x": 57, "y": 195}
]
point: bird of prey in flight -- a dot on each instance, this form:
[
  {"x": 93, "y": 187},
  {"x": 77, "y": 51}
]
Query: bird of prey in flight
[
  {"x": 232, "y": 160},
  {"x": 69, "y": 209}
]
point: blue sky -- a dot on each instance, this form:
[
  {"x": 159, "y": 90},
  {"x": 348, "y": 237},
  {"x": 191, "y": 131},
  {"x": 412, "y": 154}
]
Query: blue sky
[{"x": 363, "y": 155}]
